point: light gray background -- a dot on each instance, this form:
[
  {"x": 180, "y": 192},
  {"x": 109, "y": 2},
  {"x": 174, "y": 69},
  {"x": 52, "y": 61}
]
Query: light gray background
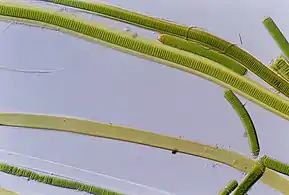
[{"x": 105, "y": 85}]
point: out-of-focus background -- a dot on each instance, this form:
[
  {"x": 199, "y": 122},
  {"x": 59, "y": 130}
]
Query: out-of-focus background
[{"x": 106, "y": 85}]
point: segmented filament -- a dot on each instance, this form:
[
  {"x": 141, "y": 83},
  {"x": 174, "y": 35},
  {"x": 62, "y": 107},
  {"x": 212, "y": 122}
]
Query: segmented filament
[
  {"x": 277, "y": 35},
  {"x": 281, "y": 66},
  {"x": 275, "y": 165},
  {"x": 250, "y": 179},
  {"x": 229, "y": 188},
  {"x": 201, "y": 50},
  {"x": 246, "y": 120}
]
